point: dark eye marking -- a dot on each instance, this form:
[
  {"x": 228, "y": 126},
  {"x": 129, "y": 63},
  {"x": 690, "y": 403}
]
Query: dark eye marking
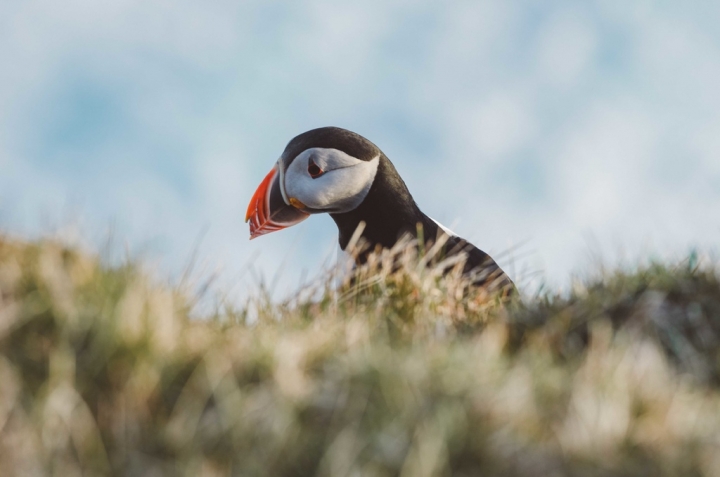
[{"x": 314, "y": 170}]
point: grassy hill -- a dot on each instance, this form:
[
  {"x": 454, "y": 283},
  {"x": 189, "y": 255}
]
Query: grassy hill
[{"x": 103, "y": 372}]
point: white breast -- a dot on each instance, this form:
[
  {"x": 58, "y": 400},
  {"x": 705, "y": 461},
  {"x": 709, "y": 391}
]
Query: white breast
[{"x": 445, "y": 229}]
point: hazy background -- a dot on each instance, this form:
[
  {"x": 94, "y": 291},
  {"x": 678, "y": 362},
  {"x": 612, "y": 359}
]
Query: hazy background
[{"x": 569, "y": 128}]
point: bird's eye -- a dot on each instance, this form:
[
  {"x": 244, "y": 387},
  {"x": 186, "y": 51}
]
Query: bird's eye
[{"x": 314, "y": 170}]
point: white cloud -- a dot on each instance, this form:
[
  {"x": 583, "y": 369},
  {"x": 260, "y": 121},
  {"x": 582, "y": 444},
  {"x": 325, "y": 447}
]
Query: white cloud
[
  {"x": 470, "y": 31},
  {"x": 603, "y": 166},
  {"x": 566, "y": 44},
  {"x": 705, "y": 143},
  {"x": 498, "y": 126},
  {"x": 340, "y": 38},
  {"x": 509, "y": 116}
]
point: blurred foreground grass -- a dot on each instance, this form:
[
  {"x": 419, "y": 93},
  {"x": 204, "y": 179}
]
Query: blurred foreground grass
[{"x": 102, "y": 372}]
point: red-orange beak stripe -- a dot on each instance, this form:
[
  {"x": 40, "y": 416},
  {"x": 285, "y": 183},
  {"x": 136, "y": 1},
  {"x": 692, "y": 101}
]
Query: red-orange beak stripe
[
  {"x": 262, "y": 219},
  {"x": 257, "y": 211}
]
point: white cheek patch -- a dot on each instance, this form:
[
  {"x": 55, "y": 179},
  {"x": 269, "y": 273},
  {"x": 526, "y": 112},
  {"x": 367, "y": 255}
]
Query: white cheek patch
[{"x": 344, "y": 185}]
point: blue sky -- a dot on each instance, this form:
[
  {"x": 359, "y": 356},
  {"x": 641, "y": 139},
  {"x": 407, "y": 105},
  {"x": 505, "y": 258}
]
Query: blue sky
[{"x": 570, "y": 128}]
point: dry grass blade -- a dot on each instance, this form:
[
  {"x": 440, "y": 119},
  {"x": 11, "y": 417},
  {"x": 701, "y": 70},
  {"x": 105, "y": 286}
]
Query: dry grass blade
[{"x": 403, "y": 369}]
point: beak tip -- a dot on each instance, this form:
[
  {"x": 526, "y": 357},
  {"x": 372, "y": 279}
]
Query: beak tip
[{"x": 261, "y": 215}]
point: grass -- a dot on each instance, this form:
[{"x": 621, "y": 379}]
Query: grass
[{"x": 104, "y": 372}]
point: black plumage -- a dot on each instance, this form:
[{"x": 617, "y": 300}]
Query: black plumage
[{"x": 389, "y": 210}]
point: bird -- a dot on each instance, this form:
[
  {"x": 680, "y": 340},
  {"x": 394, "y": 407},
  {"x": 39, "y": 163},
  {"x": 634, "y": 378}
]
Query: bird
[{"x": 341, "y": 173}]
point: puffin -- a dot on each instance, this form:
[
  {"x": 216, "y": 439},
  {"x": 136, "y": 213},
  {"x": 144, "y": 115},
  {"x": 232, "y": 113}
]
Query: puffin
[{"x": 335, "y": 171}]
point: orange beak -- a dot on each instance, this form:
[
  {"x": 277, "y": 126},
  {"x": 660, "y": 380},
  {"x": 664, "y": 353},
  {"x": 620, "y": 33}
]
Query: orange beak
[{"x": 267, "y": 211}]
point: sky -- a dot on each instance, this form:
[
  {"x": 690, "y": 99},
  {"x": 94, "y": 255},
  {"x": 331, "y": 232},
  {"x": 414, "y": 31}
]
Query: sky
[{"x": 546, "y": 132}]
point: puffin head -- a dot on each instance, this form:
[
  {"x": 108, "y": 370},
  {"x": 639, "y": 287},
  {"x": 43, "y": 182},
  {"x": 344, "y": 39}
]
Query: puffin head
[{"x": 323, "y": 170}]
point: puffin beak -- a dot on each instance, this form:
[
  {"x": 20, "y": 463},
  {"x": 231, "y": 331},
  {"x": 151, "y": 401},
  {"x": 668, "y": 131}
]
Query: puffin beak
[{"x": 268, "y": 211}]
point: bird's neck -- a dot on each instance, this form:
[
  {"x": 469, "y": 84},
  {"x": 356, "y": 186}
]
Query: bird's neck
[{"x": 388, "y": 211}]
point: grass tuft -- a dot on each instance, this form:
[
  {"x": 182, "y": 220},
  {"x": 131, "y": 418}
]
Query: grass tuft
[{"x": 393, "y": 369}]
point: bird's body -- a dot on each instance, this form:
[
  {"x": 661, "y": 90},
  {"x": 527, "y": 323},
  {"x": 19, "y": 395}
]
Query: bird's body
[{"x": 365, "y": 188}]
